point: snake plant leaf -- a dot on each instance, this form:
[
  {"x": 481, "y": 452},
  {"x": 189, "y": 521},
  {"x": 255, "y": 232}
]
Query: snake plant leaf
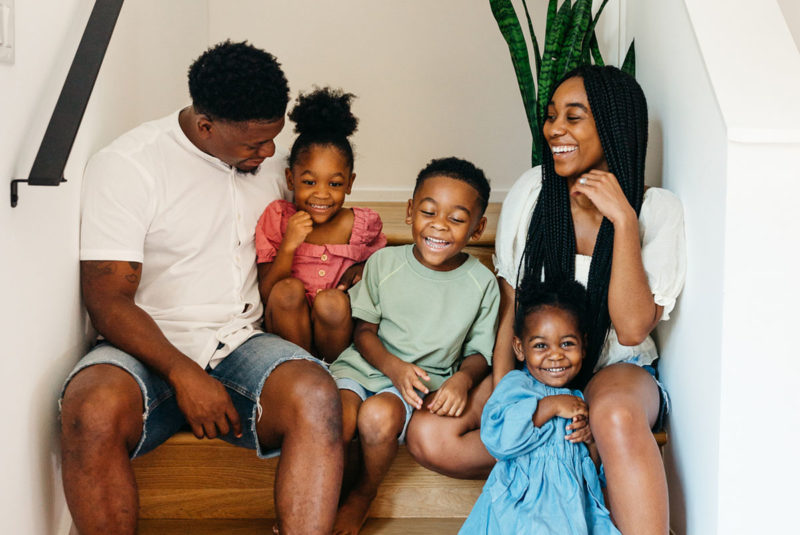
[
  {"x": 587, "y": 45},
  {"x": 507, "y": 21},
  {"x": 572, "y": 47},
  {"x": 594, "y": 48},
  {"x": 537, "y": 56},
  {"x": 629, "y": 65},
  {"x": 557, "y": 31}
]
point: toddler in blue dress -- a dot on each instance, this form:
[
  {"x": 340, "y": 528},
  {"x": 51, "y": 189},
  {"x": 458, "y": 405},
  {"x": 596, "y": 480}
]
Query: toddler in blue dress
[{"x": 545, "y": 481}]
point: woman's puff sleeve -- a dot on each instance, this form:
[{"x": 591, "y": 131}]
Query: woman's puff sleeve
[
  {"x": 661, "y": 232},
  {"x": 507, "y": 428},
  {"x": 270, "y": 229}
]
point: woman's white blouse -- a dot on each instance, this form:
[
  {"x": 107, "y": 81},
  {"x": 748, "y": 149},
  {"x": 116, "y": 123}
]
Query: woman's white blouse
[{"x": 663, "y": 254}]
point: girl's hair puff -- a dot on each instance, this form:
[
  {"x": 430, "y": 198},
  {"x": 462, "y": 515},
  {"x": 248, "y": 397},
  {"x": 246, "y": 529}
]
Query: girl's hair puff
[
  {"x": 568, "y": 295},
  {"x": 323, "y": 117},
  {"x": 619, "y": 109}
]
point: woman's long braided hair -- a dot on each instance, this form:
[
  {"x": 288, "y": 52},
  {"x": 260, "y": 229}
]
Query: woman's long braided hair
[{"x": 620, "y": 114}]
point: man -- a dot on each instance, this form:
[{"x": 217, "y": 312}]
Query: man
[{"x": 168, "y": 276}]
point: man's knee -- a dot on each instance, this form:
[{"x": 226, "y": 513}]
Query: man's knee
[
  {"x": 102, "y": 402},
  {"x": 288, "y": 294},
  {"x": 331, "y": 307},
  {"x": 307, "y": 397}
]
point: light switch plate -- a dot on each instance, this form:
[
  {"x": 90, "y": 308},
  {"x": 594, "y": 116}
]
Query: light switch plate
[{"x": 7, "y": 37}]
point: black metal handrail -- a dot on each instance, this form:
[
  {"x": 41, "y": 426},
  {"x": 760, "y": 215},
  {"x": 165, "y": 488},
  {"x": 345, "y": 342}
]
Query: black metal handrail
[{"x": 48, "y": 167}]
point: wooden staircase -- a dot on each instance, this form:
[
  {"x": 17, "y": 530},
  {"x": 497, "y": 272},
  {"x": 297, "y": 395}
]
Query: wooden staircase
[{"x": 208, "y": 487}]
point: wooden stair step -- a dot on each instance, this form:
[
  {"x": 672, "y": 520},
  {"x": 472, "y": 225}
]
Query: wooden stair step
[
  {"x": 187, "y": 478},
  {"x": 374, "y": 526}
]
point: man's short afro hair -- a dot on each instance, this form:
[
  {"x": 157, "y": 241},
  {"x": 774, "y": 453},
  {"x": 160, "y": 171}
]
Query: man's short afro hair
[{"x": 238, "y": 82}]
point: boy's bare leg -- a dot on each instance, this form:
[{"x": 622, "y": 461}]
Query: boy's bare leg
[
  {"x": 380, "y": 421},
  {"x": 352, "y": 452},
  {"x": 333, "y": 323},
  {"x": 452, "y": 446},
  {"x": 287, "y": 314},
  {"x": 303, "y": 415},
  {"x": 101, "y": 422}
]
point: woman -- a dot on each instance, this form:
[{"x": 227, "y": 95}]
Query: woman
[{"x": 585, "y": 214}]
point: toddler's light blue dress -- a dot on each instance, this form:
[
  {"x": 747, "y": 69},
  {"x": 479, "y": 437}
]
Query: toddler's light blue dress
[{"x": 542, "y": 484}]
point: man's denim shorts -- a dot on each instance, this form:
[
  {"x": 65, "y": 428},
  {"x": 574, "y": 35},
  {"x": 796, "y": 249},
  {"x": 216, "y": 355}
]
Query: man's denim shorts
[
  {"x": 345, "y": 383},
  {"x": 243, "y": 373}
]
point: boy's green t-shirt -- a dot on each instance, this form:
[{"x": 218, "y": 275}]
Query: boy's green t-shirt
[{"x": 430, "y": 318}]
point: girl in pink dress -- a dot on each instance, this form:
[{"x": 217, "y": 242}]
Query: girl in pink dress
[{"x": 310, "y": 252}]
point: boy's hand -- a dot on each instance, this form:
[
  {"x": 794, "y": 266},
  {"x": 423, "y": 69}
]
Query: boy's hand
[
  {"x": 298, "y": 227},
  {"x": 451, "y": 398},
  {"x": 406, "y": 378}
]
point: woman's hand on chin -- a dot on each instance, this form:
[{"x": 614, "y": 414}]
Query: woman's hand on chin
[{"x": 603, "y": 189}]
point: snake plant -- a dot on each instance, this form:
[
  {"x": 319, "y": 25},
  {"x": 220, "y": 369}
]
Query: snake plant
[{"x": 570, "y": 41}]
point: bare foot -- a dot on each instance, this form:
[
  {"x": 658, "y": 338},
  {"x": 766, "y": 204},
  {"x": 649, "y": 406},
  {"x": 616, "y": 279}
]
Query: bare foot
[{"x": 352, "y": 514}]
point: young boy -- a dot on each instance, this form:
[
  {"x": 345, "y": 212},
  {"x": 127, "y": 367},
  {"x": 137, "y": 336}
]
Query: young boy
[{"x": 426, "y": 316}]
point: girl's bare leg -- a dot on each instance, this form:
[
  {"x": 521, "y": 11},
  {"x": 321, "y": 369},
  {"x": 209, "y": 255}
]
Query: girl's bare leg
[
  {"x": 333, "y": 324},
  {"x": 287, "y": 313},
  {"x": 623, "y": 406},
  {"x": 380, "y": 421},
  {"x": 452, "y": 446}
]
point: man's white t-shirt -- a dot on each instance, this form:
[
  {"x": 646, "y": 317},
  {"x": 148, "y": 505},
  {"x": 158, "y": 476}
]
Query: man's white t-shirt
[{"x": 153, "y": 197}]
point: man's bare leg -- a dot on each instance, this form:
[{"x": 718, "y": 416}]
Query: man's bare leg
[
  {"x": 303, "y": 415},
  {"x": 101, "y": 422}
]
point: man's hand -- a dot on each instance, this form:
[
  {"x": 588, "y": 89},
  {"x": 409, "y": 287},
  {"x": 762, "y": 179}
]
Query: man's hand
[
  {"x": 350, "y": 277},
  {"x": 204, "y": 402},
  {"x": 451, "y": 398}
]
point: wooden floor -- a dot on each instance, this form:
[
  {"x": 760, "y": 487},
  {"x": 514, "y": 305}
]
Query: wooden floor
[{"x": 374, "y": 526}]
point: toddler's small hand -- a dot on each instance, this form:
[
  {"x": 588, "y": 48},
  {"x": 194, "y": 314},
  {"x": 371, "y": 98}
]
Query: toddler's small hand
[
  {"x": 298, "y": 228},
  {"x": 581, "y": 432}
]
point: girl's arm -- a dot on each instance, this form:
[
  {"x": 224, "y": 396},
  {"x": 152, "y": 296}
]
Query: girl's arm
[
  {"x": 565, "y": 406},
  {"x": 269, "y": 273},
  {"x": 631, "y": 305},
  {"x": 503, "y": 356},
  {"x": 404, "y": 375}
]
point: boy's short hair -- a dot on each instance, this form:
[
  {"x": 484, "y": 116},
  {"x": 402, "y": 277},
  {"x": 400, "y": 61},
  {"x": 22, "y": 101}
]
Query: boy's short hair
[
  {"x": 458, "y": 169},
  {"x": 238, "y": 82},
  {"x": 568, "y": 295}
]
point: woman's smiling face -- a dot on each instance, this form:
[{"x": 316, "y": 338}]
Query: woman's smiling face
[{"x": 571, "y": 133}]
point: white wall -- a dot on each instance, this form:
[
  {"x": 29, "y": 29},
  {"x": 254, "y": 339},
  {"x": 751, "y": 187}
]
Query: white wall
[
  {"x": 433, "y": 79},
  {"x": 693, "y": 165},
  {"x": 729, "y": 145},
  {"x": 791, "y": 12},
  {"x": 41, "y": 318}
]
